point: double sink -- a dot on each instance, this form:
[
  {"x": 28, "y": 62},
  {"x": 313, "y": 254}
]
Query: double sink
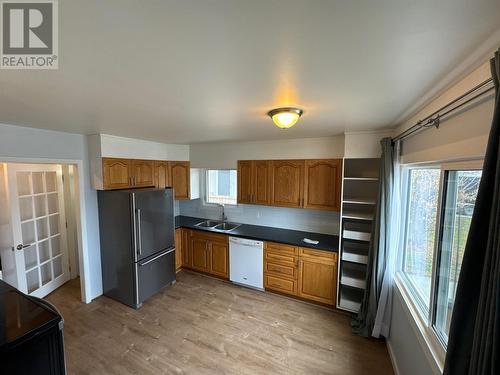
[{"x": 223, "y": 226}]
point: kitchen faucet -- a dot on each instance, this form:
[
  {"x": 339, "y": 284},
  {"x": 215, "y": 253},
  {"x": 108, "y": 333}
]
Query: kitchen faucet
[{"x": 223, "y": 215}]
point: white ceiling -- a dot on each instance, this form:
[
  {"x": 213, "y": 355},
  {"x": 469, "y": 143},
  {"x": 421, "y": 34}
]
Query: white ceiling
[{"x": 188, "y": 71}]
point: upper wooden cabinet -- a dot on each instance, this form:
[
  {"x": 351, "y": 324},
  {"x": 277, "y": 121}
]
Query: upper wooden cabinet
[
  {"x": 162, "y": 174},
  {"x": 323, "y": 184},
  {"x": 245, "y": 181},
  {"x": 180, "y": 178},
  {"x": 116, "y": 173},
  {"x": 261, "y": 183},
  {"x": 136, "y": 173},
  {"x": 314, "y": 184},
  {"x": 253, "y": 182},
  {"x": 142, "y": 173},
  {"x": 287, "y": 183}
]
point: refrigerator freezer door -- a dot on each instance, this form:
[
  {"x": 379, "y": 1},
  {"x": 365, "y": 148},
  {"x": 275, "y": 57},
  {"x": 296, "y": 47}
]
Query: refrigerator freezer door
[
  {"x": 154, "y": 218},
  {"x": 154, "y": 273}
]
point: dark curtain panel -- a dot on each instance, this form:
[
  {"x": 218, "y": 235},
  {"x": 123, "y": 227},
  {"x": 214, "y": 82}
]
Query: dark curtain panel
[
  {"x": 474, "y": 340},
  {"x": 378, "y": 253}
]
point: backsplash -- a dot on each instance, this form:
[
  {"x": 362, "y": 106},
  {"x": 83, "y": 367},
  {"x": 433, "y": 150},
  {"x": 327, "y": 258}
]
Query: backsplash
[{"x": 326, "y": 222}]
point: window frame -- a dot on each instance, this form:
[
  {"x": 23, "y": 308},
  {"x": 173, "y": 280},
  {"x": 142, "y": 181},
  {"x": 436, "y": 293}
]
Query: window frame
[
  {"x": 425, "y": 320},
  {"x": 204, "y": 183}
]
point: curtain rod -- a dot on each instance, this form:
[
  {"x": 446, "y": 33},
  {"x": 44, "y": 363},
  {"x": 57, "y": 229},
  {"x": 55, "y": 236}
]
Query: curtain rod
[{"x": 434, "y": 118}]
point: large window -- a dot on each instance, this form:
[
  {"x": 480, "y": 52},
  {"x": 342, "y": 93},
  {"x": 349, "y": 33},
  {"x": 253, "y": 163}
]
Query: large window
[
  {"x": 440, "y": 203},
  {"x": 221, "y": 186}
]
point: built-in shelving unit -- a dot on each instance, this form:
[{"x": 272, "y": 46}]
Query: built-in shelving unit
[{"x": 359, "y": 200}]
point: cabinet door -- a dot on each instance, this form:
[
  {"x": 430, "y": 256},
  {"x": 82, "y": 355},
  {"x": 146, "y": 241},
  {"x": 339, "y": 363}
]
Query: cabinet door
[
  {"x": 180, "y": 174},
  {"x": 287, "y": 183},
  {"x": 187, "y": 251},
  {"x": 178, "y": 249},
  {"x": 200, "y": 250},
  {"x": 317, "y": 280},
  {"x": 162, "y": 174},
  {"x": 219, "y": 256},
  {"x": 245, "y": 181},
  {"x": 323, "y": 184},
  {"x": 262, "y": 186},
  {"x": 116, "y": 173},
  {"x": 143, "y": 173}
]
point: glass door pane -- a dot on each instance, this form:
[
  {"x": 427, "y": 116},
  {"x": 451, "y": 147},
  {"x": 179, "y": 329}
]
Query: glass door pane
[{"x": 459, "y": 198}]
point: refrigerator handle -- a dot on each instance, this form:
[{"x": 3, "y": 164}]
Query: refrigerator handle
[
  {"x": 134, "y": 223},
  {"x": 139, "y": 236}
]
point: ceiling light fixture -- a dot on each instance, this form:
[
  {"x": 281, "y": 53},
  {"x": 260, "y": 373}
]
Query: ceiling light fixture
[{"x": 285, "y": 117}]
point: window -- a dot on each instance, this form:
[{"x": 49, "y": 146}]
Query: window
[
  {"x": 221, "y": 186},
  {"x": 440, "y": 202},
  {"x": 423, "y": 197},
  {"x": 460, "y": 191}
]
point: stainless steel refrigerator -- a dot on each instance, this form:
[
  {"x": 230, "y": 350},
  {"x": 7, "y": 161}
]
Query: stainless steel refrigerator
[{"x": 137, "y": 243}]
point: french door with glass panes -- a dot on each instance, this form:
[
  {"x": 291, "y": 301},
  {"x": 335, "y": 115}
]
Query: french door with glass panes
[{"x": 38, "y": 227}]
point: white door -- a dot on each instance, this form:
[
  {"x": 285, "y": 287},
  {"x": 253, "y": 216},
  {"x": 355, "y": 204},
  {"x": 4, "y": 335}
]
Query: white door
[{"x": 38, "y": 225}]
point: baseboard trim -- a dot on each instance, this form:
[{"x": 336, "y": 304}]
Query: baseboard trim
[{"x": 392, "y": 356}]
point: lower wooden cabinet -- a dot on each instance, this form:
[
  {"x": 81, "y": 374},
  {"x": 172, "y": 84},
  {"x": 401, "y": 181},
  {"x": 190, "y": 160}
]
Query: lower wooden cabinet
[
  {"x": 317, "y": 276},
  {"x": 187, "y": 251},
  {"x": 209, "y": 253},
  {"x": 302, "y": 272},
  {"x": 178, "y": 249}
]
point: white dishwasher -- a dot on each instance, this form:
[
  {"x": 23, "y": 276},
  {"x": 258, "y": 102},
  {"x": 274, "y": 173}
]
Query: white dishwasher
[{"x": 246, "y": 259}]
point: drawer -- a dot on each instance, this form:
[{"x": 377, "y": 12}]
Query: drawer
[
  {"x": 281, "y": 248},
  {"x": 216, "y": 237},
  {"x": 280, "y": 285},
  {"x": 273, "y": 256},
  {"x": 280, "y": 270},
  {"x": 318, "y": 254}
]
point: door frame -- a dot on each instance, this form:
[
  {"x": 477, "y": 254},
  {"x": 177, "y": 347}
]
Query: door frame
[{"x": 79, "y": 212}]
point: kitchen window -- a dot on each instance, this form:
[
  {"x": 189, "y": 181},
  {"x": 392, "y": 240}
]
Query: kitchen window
[
  {"x": 221, "y": 186},
  {"x": 440, "y": 200}
]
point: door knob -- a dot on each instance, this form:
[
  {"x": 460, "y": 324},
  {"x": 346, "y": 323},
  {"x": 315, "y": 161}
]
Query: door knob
[{"x": 21, "y": 246}]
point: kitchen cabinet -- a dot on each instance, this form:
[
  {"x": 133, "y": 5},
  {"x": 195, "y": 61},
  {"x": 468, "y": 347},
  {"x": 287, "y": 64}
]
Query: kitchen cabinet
[
  {"x": 116, "y": 173},
  {"x": 245, "y": 181},
  {"x": 187, "y": 251},
  {"x": 301, "y": 272},
  {"x": 314, "y": 184},
  {"x": 317, "y": 279},
  {"x": 178, "y": 249},
  {"x": 142, "y": 173},
  {"x": 210, "y": 253},
  {"x": 180, "y": 178},
  {"x": 280, "y": 268},
  {"x": 322, "y": 184},
  {"x": 254, "y": 182},
  {"x": 162, "y": 174},
  {"x": 136, "y": 173},
  {"x": 287, "y": 183}
]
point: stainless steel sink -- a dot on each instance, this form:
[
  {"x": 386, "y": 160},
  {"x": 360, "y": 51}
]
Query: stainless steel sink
[
  {"x": 226, "y": 226},
  {"x": 208, "y": 223}
]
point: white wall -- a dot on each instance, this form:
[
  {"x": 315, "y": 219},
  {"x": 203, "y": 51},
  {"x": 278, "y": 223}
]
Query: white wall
[
  {"x": 48, "y": 146},
  {"x": 280, "y": 217},
  {"x": 365, "y": 144},
  {"x": 129, "y": 148},
  {"x": 463, "y": 135},
  {"x": 225, "y": 155}
]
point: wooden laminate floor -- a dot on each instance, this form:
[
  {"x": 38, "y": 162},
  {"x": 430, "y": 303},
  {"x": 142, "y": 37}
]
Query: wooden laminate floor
[{"x": 206, "y": 326}]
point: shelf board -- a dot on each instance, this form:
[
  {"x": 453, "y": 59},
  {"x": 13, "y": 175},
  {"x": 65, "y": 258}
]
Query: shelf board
[
  {"x": 357, "y": 216},
  {"x": 354, "y": 258},
  {"x": 359, "y": 201},
  {"x": 361, "y": 178},
  {"x": 353, "y": 276},
  {"x": 348, "y": 305},
  {"x": 356, "y": 235}
]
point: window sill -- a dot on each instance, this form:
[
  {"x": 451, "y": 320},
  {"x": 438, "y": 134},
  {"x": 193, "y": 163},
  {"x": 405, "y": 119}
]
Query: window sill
[{"x": 433, "y": 349}]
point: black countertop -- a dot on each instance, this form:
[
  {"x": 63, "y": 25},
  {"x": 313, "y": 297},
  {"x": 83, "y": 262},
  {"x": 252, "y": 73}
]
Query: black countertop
[{"x": 327, "y": 242}]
